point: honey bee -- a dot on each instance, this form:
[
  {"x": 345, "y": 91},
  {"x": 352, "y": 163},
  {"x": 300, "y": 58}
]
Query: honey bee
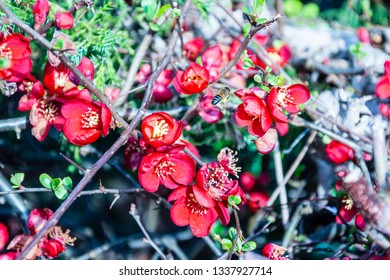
[{"x": 221, "y": 97}]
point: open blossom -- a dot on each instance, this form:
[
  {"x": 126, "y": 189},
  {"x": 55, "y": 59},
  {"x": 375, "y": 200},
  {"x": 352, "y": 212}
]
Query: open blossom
[
  {"x": 45, "y": 113},
  {"x": 15, "y": 61},
  {"x": 288, "y": 99},
  {"x": 159, "y": 129},
  {"x": 85, "y": 121},
  {"x": 56, "y": 79},
  {"x": 280, "y": 55},
  {"x": 86, "y": 67},
  {"x": 193, "y": 80},
  {"x": 33, "y": 90},
  {"x": 338, "y": 152},
  {"x": 253, "y": 112},
  {"x": 4, "y": 236},
  {"x": 40, "y": 11},
  {"x": 169, "y": 170},
  {"x": 195, "y": 207}
]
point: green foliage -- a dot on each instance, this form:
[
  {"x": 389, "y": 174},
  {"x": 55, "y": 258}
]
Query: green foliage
[
  {"x": 241, "y": 245},
  {"x": 234, "y": 200},
  {"x": 60, "y": 187},
  {"x": 295, "y": 8},
  {"x": 17, "y": 180},
  {"x": 255, "y": 10},
  {"x": 357, "y": 51},
  {"x": 22, "y": 9},
  {"x": 203, "y": 7}
]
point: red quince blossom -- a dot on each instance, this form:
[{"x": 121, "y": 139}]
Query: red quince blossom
[
  {"x": 261, "y": 39},
  {"x": 257, "y": 200},
  {"x": 274, "y": 251},
  {"x": 38, "y": 219},
  {"x": 207, "y": 111},
  {"x": 4, "y": 236},
  {"x": 382, "y": 88},
  {"x": 279, "y": 55},
  {"x": 85, "y": 121},
  {"x": 40, "y": 11},
  {"x": 112, "y": 93},
  {"x": 212, "y": 59},
  {"x": 132, "y": 154},
  {"x": 160, "y": 129},
  {"x": 384, "y": 109},
  {"x": 169, "y": 170},
  {"x": 194, "y": 207},
  {"x": 64, "y": 20},
  {"x": 253, "y": 112},
  {"x": 347, "y": 212},
  {"x": 86, "y": 67},
  {"x": 45, "y": 113},
  {"x": 8, "y": 256},
  {"x": 193, "y": 80},
  {"x": 15, "y": 61},
  {"x": 282, "y": 128},
  {"x": 56, "y": 79},
  {"x": 52, "y": 248},
  {"x": 193, "y": 48},
  {"x": 247, "y": 181},
  {"x": 288, "y": 99},
  {"x": 338, "y": 152},
  {"x": 33, "y": 90},
  {"x": 363, "y": 35}
]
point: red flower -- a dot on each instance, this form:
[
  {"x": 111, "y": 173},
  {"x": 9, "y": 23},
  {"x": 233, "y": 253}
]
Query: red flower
[
  {"x": 64, "y": 20},
  {"x": 347, "y": 211},
  {"x": 212, "y": 57},
  {"x": 193, "y": 80},
  {"x": 85, "y": 121},
  {"x": 193, "y": 48},
  {"x": 384, "y": 109},
  {"x": 38, "y": 219},
  {"x": 8, "y": 256},
  {"x": 274, "y": 251},
  {"x": 266, "y": 143},
  {"x": 160, "y": 129},
  {"x": 86, "y": 67},
  {"x": 40, "y": 10},
  {"x": 15, "y": 61},
  {"x": 207, "y": 111},
  {"x": 338, "y": 152},
  {"x": 4, "y": 236},
  {"x": 257, "y": 200},
  {"x": 169, "y": 170},
  {"x": 33, "y": 90},
  {"x": 44, "y": 113},
  {"x": 112, "y": 93},
  {"x": 281, "y": 55},
  {"x": 247, "y": 181},
  {"x": 194, "y": 207},
  {"x": 253, "y": 112},
  {"x": 287, "y": 98},
  {"x": 56, "y": 79}
]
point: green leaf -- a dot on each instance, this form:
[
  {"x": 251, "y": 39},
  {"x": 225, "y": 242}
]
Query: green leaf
[
  {"x": 232, "y": 232},
  {"x": 226, "y": 244},
  {"x": 310, "y": 11},
  {"x": 17, "y": 179},
  {"x": 246, "y": 28},
  {"x": 60, "y": 192},
  {"x": 154, "y": 27},
  {"x": 261, "y": 20},
  {"x": 268, "y": 69},
  {"x": 234, "y": 200},
  {"x": 150, "y": 8},
  {"x": 258, "y": 6},
  {"x": 292, "y": 7},
  {"x": 45, "y": 180},
  {"x": 176, "y": 13},
  {"x": 249, "y": 246},
  {"x": 67, "y": 183},
  {"x": 55, "y": 183},
  {"x": 265, "y": 88},
  {"x": 258, "y": 78},
  {"x": 238, "y": 245},
  {"x": 246, "y": 10},
  {"x": 163, "y": 9}
]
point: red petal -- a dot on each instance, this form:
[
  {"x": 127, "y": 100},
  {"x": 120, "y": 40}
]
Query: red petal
[
  {"x": 203, "y": 197},
  {"x": 266, "y": 143},
  {"x": 4, "y": 236},
  {"x": 78, "y": 135},
  {"x": 298, "y": 94},
  {"x": 106, "y": 119},
  {"x": 223, "y": 213},
  {"x": 201, "y": 224},
  {"x": 178, "y": 193},
  {"x": 184, "y": 168},
  {"x": 76, "y": 107},
  {"x": 241, "y": 117},
  {"x": 383, "y": 87},
  {"x": 149, "y": 180},
  {"x": 180, "y": 213}
]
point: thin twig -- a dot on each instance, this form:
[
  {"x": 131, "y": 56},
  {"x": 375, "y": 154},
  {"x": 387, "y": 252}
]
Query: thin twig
[
  {"x": 72, "y": 162},
  {"x": 14, "y": 124},
  {"x": 134, "y": 214}
]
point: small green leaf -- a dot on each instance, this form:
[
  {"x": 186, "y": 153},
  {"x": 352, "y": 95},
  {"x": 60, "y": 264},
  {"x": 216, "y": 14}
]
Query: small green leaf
[
  {"x": 265, "y": 88},
  {"x": 60, "y": 192},
  {"x": 238, "y": 245},
  {"x": 310, "y": 11},
  {"x": 176, "y": 13},
  {"x": 232, "y": 232},
  {"x": 55, "y": 183},
  {"x": 234, "y": 200},
  {"x": 246, "y": 28},
  {"x": 17, "y": 179},
  {"x": 268, "y": 69},
  {"x": 246, "y": 10},
  {"x": 154, "y": 27},
  {"x": 163, "y": 10},
  {"x": 150, "y": 8},
  {"x": 261, "y": 20},
  {"x": 45, "y": 180},
  {"x": 67, "y": 183},
  {"x": 258, "y": 78},
  {"x": 249, "y": 246},
  {"x": 226, "y": 244}
]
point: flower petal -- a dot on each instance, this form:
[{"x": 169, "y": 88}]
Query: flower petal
[{"x": 180, "y": 213}]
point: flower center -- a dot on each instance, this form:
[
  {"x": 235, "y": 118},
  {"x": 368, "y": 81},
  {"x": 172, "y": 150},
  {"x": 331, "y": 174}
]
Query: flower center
[
  {"x": 283, "y": 97},
  {"x": 28, "y": 86},
  {"x": 60, "y": 79},
  {"x": 5, "y": 52},
  {"x": 90, "y": 119},
  {"x": 348, "y": 203},
  {"x": 165, "y": 168},
  {"x": 217, "y": 182},
  {"x": 160, "y": 128},
  {"x": 48, "y": 110},
  {"x": 194, "y": 205}
]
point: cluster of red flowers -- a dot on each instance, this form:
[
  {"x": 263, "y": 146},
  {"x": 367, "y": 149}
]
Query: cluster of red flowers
[
  {"x": 59, "y": 102},
  {"x": 50, "y": 246},
  {"x": 200, "y": 196}
]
